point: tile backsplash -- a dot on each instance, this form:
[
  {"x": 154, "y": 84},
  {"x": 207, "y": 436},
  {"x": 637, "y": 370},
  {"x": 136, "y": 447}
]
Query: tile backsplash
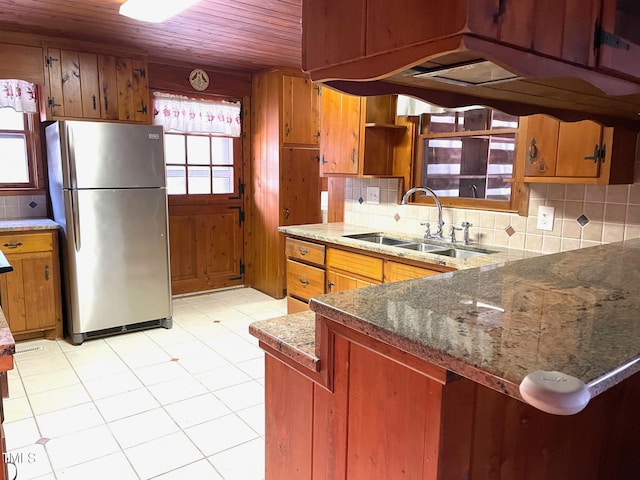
[
  {"x": 585, "y": 215},
  {"x": 22, "y": 206}
]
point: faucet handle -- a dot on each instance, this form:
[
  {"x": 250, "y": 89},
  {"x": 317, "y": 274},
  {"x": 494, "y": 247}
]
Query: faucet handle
[
  {"x": 466, "y": 225},
  {"x": 452, "y": 234},
  {"x": 427, "y": 229}
]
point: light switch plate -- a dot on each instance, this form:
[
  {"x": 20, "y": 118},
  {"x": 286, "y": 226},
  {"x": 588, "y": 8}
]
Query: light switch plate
[
  {"x": 373, "y": 195},
  {"x": 545, "y": 217}
]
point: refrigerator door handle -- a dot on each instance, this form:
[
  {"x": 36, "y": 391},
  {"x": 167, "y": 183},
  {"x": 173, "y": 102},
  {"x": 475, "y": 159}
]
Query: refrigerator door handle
[
  {"x": 71, "y": 155},
  {"x": 76, "y": 219}
]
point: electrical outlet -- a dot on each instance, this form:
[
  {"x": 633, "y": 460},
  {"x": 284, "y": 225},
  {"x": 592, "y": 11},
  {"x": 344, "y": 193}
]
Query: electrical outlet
[
  {"x": 373, "y": 195},
  {"x": 545, "y": 218}
]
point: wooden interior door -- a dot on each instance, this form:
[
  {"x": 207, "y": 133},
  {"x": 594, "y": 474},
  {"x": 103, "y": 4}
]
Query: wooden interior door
[{"x": 206, "y": 235}]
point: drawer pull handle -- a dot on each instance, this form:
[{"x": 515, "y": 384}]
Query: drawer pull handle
[
  {"x": 304, "y": 281},
  {"x": 13, "y": 244},
  {"x": 303, "y": 251}
]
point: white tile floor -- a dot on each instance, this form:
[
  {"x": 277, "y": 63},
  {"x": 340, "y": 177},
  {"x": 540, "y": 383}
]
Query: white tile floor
[{"x": 184, "y": 403}]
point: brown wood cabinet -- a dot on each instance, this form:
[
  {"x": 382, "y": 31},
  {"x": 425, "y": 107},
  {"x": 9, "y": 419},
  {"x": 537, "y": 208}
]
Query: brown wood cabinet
[
  {"x": 622, "y": 19},
  {"x": 315, "y": 268},
  {"x": 81, "y": 85},
  {"x": 30, "y": 295},
  {"x": 349, "y": 270},
  {"x": 285, "y": 170},
  {"x": 578, "y": 152},
  {"x": 360, "y": 136}
]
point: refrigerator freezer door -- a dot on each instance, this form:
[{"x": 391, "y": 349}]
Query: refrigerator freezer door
[
  {"x": 117, "y": 258},
  {"x": 111, "y": 155}
]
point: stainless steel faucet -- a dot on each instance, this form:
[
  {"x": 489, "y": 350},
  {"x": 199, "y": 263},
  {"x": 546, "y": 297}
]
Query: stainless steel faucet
[{"x": 427, "y": 190}]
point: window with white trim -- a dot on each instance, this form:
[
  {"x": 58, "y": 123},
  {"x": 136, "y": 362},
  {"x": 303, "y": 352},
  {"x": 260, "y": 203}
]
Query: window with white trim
[{"x": 18, "y": 146}]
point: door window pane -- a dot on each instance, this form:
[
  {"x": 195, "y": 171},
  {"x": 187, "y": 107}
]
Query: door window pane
[
  {"x": 199, "y": 180},
  {"x": 176, "y": 180},
  {"x": 174, "y": 149},
  {"x": 198, "y": 152},
  {"x": 221, "y": 151},
  {"x": 223, "y": 180}
]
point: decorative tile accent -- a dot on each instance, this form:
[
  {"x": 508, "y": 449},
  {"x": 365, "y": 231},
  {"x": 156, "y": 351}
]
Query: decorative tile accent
[
  {"x": 396, "y": 217},
  {"x": 510, "y": 230},
  {"x": 582, "y": 220},
  {"x": 42, "y": 441},
  {"x": 33, "y": 204},
  {"x": 360, "y": 200}
]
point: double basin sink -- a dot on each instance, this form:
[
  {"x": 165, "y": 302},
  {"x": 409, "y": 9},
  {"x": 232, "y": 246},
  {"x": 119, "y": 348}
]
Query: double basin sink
[{"x": 425, "y": 246}]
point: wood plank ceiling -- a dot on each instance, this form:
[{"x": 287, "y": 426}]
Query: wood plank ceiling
[{"x": 246, "y": 35}]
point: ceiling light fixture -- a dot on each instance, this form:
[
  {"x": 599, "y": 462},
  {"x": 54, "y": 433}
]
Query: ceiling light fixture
[{"x": 154, "y": 11}]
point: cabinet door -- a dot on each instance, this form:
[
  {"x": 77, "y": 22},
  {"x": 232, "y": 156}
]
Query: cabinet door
[
  {"x": 124, "y": 75},
  {"x": 55, "y": 97},
  {"x": 576, "y": 142},
  {"x": 300, "y": 187},
  {"x": 89, "y": 85},
  {"x": 108, "y": 87},
  {"x": 540, "y": 145},
  {"x": 338, "y": 282},
  {"x": 300, "y": 122},
  {"x": 28, "y": 293},
  {"x": 340, "y": 121},
  {"x": 395, "y": 272},
  {"x": 622, "y": 19},
  {"x": 140, "y": 91}
]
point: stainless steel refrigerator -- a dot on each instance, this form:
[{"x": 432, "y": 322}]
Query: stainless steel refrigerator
[{"x": 107, "y": 187}]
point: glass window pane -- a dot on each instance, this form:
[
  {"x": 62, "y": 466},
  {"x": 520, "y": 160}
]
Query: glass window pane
[
  {"x": 503, "y": 120},
  {"x": 199, "y": 180},
  {"x": 198, "y": 150},
  {"x": 222, "y": 151},
  {"x": 10, "y": 119},
  {"x": 174, "y": 149},
  {"x": 14, "y": 166},
  {"x": 223, "y": 180},
  {"x": 176, "y": 180},
  {"x": 442, "y": 123}
]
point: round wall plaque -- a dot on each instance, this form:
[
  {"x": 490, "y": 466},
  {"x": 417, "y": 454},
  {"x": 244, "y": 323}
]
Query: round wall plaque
[{"x": 199, "y": 79}]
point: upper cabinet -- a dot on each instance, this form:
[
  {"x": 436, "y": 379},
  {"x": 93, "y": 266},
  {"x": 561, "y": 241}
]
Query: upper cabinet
[
  {"x": 80, "y": 85},
  {"x": 618, "y": 36},
  {"x": 361, "y": 136},
  {"x": 300, "y": 122},
  {"x": 521, "y": 57},
  {"x": 579, "y": 152}
]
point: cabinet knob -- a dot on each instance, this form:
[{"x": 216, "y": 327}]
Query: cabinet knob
[
  {"x": 13, "y": 244},
  {"x": 286, "y": 130},
  {"x": 303, "y": 251},
  {"x": 286, "y": 213},
  {"x": 596, "y": 154},
  {"x": 304, "y": 281},
  {"x": 46, "y": 272},
  {"x": 330, "y": 284}
]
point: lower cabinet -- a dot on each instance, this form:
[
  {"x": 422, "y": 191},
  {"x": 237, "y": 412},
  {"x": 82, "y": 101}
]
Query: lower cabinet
[
  {"x": 314, "y": 269},
  {"x": 30, "y": 295}
]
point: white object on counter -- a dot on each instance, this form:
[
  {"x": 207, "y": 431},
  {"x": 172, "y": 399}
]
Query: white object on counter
[{"x": 555, "y": 392}]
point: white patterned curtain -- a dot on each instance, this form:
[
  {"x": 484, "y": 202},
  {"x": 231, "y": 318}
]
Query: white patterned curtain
[
  {"x": 189, "y": 115},
  {"x": 19, "y": 95}
]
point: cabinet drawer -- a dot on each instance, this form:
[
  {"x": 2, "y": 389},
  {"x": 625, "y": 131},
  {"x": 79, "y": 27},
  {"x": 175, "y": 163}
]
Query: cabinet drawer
[
  {"x": 305, "y": 251},
  {"x": 369, "y": 267},
  {"x": 26, "y": 242},
  {"x": 296, "y": 306},
  {"x": 304, "y": 281}
]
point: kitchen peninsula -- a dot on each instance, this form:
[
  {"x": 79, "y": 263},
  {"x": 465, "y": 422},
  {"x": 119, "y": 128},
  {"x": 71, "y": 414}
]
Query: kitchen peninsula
[
  {"x": 7, "y": 350},
  {"x": 420, "y": 379}
]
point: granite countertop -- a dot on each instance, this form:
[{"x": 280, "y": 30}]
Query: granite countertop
[
  {"x": 334, "y": 233},
  {"x": 294, "y": 335},
  {"x": 575, "y": 312},
  {"x": 28, "y": 224}
]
